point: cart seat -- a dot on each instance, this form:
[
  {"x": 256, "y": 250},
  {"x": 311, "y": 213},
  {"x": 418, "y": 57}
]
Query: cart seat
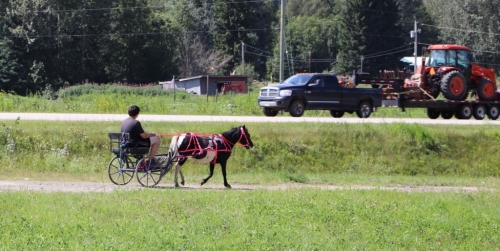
[{"x": 115, "y": 139}]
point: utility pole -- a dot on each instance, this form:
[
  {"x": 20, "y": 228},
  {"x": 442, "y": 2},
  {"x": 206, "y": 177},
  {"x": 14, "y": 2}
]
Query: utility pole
[
  {"x": 414, "y": 34},
  {"x": 282, "y": 38},
  {"x": 243, "y": 56},
  {"x": 309, "y": 61}
]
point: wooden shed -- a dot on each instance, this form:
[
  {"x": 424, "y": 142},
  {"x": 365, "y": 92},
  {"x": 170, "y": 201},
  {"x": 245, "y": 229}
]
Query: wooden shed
[{"x": 216, "y": 84}]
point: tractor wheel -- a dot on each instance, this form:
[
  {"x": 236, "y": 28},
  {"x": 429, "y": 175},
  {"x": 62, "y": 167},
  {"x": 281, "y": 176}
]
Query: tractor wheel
[
  {"x": 446, "y": 114},
  {"x": 463, "y": 112},
  {"x": 453, "y": 86},
  {"x": 297, "y": 108},
  {"x": 433, "y": 113},
  {"x": 336, "y": 114},
  {"x": 493, "y": 112},
  {"x": 486, "y": 90},
  {"x": 479, "y": 112},
  {"x": 269, "y": 112}
]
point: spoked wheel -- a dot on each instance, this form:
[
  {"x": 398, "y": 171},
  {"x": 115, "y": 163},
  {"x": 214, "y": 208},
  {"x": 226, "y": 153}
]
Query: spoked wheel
[
  {"x": 121, "y": 170},
  {"x": 147, "y": 174}
]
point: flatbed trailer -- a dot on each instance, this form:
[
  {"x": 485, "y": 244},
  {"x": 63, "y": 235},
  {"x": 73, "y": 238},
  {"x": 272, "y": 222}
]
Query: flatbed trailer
[{"x": 395, "y": 94}]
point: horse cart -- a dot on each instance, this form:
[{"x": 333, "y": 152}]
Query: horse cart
[
  {"x": 130, "y": 161},
  {"x": 205, "y": 148}
]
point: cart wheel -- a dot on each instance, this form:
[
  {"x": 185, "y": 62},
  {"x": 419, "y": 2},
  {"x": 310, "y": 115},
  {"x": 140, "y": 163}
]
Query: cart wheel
[
  {"x": 121, "y": 171},
  {"x": 148, "y": 176}
]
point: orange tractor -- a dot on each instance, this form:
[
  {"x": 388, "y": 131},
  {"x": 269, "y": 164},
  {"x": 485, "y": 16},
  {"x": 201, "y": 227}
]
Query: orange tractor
[{"x": 449, "y": 71}]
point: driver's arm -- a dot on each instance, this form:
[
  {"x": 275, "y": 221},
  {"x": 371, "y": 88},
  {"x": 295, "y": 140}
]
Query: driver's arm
[{"x": 147, "y": 135}]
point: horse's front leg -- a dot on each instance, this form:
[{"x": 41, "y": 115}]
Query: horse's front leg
[
  {"x": 205, "y": 180},
  {"x": 223, "y": 167}
]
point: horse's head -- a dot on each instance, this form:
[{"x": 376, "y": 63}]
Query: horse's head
[
  {"x": 239, "y": 134},
  {"x": 245, "y": 139}
]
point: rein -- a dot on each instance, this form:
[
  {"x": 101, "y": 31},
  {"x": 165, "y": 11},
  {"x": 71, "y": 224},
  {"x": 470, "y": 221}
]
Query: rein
[{"x": 197, "y": 149}]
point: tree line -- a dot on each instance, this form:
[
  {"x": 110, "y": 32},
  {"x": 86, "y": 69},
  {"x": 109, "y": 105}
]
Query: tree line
[{"x": 49, "y": 44}]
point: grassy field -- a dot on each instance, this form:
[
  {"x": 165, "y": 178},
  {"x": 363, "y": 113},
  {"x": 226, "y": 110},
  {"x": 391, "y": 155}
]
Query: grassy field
[
  {"x": 217, "y": 219},
  {"x": 152, "y": 100},
  {"x": 304, "y": 219}
]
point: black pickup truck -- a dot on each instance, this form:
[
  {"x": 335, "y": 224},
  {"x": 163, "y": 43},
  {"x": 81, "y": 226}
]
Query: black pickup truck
[{"x": 317, "y": 91}]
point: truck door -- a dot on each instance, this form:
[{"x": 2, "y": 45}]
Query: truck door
[{"x": 322, "y": 94}]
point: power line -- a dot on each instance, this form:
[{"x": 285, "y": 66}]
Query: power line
[{"x": 472, "y": 31}]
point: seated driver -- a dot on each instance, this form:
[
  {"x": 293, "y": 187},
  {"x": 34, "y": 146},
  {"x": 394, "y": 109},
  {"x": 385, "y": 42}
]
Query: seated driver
[{"x": 137, "y": 136}]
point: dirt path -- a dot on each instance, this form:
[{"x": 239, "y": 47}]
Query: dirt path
[{"x": 83, "y": 187}]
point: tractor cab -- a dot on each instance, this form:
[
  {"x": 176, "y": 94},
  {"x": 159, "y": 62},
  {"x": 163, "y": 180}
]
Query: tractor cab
[{"x": 448, "y": 57}]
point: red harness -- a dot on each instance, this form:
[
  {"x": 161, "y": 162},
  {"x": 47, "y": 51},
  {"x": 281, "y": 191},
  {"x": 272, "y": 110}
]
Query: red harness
[{"x": 197, "y": 149}]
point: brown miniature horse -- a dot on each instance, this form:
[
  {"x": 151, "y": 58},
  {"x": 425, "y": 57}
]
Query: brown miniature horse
[{"x": 213, "y": 149}]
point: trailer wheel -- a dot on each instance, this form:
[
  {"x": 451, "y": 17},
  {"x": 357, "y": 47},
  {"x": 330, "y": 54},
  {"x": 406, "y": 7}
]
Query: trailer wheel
[
  {"x": 463, "y": 112},
  {"x": 446, "y": 114},
  {"x": 486, "y": 90},
  {"x": 336, "y": 114},
  {"x": 364, "y": 109},
  {"x": 269, "y": 112},
  {"x": 479, "y": 112},
  {"x": 453, "y": 86},
  {"x": 493, "y": 112},
  {"x": 296, "y": 109},
  {"x": 433, "y": 113}
]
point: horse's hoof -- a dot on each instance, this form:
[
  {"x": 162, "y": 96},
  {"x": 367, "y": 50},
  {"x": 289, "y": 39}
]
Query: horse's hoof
[
  {"x": 176, "y": 185},
  {"x": 227, "y": 186},
  {"x": 202, "y": 182},
  {"x": 182, "y": 183}
]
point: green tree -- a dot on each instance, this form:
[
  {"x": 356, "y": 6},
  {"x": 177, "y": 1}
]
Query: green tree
[
  {"x": 241, "y": 21},
  {"x": 369, "y": 30}
]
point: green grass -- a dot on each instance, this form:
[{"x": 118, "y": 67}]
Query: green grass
[
  {"x": 303, "y": 153},
  {"x": 304, "y": 219},
  {"x": 152, "y": 100},
  {"x": 216, "y": 219}
]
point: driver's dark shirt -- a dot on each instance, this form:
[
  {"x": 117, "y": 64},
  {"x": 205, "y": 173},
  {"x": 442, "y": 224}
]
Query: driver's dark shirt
[{"x": 134, "y": 128}]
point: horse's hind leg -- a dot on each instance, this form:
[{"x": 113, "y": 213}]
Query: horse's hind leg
[
  {"x": 223, "y": 167},
  {"x": 205, "y": 180},
  {"x": 178, "y": 169}
]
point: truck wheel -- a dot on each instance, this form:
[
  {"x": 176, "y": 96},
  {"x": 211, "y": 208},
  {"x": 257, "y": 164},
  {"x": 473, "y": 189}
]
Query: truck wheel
[
  {"x": 463, "y": 112},
  {"x": 486, "y": 90},
  {"x": 479, "y": 112},
  {"x": 336, "y": 114},
  {"x": 296, "y": 108},
  {"x": 453, "y": 86},
  {"x": 364, "y": 109},
  {"x": 269, "y": 112},
  {"x": 433, "y": 113},
  {"x": 446, "y": 114},
  {"x": 493, "y": 112}
]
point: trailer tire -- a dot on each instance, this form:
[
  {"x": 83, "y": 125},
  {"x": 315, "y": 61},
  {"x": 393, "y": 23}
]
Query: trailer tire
[
  {"x": 464, "y": 112},
  {"x": 364, "y": 109},
  {"x": 337, "y": 114},
  {"x": 446, "y": 114},
  {"x": 433, "y": 113},
  {"x": 479, "y": 112},
  {"x": 493, "y": 112},
  {"x": 486, "y": 90},
  {"x": 269, "y": 112},
  {"x": 296, "y": 108},
  {"x": 453, "y": 86}
]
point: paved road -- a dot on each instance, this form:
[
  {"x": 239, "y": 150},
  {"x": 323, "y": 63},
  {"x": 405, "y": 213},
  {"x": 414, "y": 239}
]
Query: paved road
[{"x": 243, "y": 119}]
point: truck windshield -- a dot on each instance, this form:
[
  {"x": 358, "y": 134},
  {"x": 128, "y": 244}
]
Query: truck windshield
[{"x": 300, "y": 79}]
